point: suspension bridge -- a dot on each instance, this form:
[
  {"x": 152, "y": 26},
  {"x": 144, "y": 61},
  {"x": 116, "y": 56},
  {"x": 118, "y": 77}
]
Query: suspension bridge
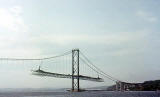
[{"x": 78, "y": 69}]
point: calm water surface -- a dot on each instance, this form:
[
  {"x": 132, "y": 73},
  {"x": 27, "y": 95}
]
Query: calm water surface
[{"x": 58, "y": 93}]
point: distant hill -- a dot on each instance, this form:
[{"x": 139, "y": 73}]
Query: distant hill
[{"x": 152, "y": 85}]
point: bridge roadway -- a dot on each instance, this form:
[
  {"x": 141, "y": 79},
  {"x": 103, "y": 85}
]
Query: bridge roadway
[{"x": 58, "y": 75}]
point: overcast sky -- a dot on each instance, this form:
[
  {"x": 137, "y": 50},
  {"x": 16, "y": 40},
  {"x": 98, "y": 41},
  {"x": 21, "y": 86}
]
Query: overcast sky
[{"x": 119, "y": 36}]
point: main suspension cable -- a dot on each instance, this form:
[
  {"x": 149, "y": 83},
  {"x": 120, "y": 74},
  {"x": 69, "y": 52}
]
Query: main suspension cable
[
  {"x": 108, "y": 76},
  {"x": 96, "y": 70},
  {"x": 19, "y": 59}
]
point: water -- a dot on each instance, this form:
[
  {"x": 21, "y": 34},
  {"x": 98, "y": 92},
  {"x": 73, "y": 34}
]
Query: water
[{"x": 61, "y": 93}]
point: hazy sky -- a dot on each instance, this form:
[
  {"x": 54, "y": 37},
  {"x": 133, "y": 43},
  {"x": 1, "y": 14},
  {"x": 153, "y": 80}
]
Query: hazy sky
[{"x": 120, "y": 36}]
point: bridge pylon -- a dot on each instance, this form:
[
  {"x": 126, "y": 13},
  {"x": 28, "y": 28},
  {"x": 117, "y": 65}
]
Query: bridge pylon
[
  {"x": 120, "y": 86},
  {"x": 75, "y": 70}
]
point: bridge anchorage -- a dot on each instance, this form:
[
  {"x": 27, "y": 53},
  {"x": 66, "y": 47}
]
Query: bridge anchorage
[{"x": 125, "y": 86}]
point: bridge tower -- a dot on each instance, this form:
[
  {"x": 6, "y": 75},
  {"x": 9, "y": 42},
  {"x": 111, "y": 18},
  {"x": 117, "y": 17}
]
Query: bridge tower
[
  {"x": 120, "y": 86},
  {"x": 75, "y": 70}
]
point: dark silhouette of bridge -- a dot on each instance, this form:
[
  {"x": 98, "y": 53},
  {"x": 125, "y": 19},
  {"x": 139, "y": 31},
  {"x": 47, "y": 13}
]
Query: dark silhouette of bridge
[{"x": 76, "y": 57}]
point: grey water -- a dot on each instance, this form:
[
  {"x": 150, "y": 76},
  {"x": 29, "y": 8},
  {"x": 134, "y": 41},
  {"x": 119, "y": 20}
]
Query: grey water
[{"x": 63, "y": 93}]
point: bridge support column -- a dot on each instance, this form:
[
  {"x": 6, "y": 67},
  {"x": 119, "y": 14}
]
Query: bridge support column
[
  {"x": 120, "y": 86},
  {"x": 75, "y": 70},
  {"x": 117, "y": 86}
]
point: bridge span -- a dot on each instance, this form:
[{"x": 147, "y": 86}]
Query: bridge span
[
  {"x": 74, "y": 73},
  {"x": 41, "y": 73}
]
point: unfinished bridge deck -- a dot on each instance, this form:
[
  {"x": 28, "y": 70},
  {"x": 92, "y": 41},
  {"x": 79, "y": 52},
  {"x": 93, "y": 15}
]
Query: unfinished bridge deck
[{"x": 58, "y": 75}]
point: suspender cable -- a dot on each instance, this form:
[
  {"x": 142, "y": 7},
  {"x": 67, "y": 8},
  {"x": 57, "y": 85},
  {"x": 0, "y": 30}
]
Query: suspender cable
[{"x": 98, "y": 68}]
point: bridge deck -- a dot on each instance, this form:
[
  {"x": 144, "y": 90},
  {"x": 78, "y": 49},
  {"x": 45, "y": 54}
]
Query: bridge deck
[{"x": 57, "y": 75}]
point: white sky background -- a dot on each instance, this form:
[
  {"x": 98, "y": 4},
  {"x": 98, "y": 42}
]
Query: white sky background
[{"x": 120, "y": 36}]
